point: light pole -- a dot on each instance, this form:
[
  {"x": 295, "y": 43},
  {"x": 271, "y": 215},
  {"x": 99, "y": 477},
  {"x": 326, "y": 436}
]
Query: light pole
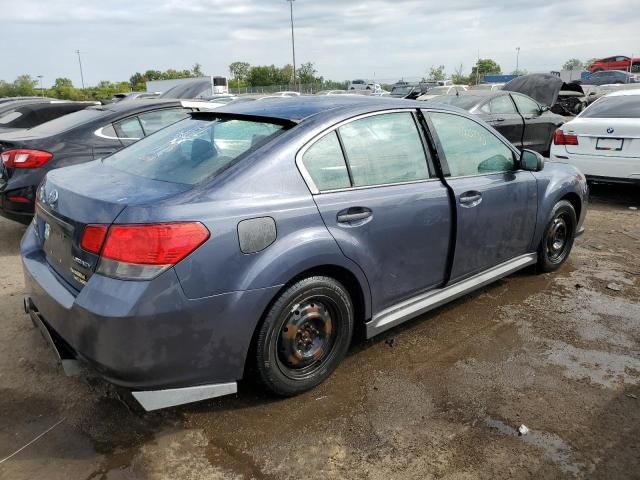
[
  {"x": 293, "y": 43},
  {"x": 81, "y": 74},
  {"x": 518, "y": 61},
  {"x": 41, "y": 89}
]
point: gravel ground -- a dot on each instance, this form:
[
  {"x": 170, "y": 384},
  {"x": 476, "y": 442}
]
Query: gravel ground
[{"x": 440, "y": 397}]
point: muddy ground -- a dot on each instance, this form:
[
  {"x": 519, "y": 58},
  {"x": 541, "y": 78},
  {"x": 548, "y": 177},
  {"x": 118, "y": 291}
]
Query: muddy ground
[{"x": 440, "y": 397}]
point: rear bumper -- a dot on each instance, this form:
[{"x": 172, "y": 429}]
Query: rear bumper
[
  {"x": 605, "y": 169},
  {"x": 18, "y": 212},
  {"x": 143, "y": 335}
]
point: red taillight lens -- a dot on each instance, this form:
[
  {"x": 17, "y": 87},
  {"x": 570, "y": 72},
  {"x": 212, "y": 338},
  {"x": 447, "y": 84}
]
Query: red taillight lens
[
  {"x": 153, "y": 244},
  {"x": 560, "y": 138},
  {"x": 25, "y": 158},
  {"x": 93, "y": 238}
]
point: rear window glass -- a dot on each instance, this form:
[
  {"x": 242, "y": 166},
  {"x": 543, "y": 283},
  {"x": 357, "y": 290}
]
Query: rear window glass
[
  {"x": 67, "y": 122},
  {"x": 466, "y": 102},
  {"x": 614, "y": 107},
  {"x": 192, "y": 150}
]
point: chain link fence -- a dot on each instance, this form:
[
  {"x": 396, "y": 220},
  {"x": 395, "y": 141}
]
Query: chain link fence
[{"x": 305, "y": 89}]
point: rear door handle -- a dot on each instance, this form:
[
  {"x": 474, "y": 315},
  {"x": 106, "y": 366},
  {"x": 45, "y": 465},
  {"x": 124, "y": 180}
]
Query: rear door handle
[
  {"x": 354, "y": 214},
  {"x": 500, "y": 119},
  {"x": 470, "y": 199}
]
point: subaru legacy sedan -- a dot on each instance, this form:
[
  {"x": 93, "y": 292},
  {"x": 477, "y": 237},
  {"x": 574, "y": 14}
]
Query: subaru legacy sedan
[{"x": 262, "y": 234}]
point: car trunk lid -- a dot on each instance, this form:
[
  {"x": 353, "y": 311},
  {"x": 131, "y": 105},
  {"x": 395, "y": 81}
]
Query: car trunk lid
[
  {"x": 606, "y": 137},
  {"x": 71, "y": 198}
]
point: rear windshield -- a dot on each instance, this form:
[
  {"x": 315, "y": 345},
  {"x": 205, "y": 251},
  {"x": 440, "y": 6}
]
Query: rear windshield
[
  {"x": 626, "y": 106},
  {"x": 466, "y": 102},
  {"x": 192, "y": 150},
  {"x": 67, "y": 122}
]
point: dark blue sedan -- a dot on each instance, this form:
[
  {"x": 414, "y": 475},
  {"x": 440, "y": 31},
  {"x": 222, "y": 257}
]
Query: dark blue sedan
[{"x": 263, "y": 233}]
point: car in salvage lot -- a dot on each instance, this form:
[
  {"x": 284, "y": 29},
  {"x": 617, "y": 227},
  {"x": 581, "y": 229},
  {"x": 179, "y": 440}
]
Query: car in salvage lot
[
  {"x": 522, "y": 120},
  {"x": 262, "y": 233},
  {"x": 604, "y": 140},
  {"x": 28, "y": 114},
  {"x": 94, "y": 132}
]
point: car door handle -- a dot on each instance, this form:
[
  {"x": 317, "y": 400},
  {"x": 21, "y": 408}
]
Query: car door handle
[
  {"x": 354, "y": 214},
  {"x": 500, "y": 119},
  {"x": 470, "y": 199}
]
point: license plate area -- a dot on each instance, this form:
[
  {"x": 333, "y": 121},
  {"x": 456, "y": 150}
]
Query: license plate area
[
  {"x": 57, "y": 237},
  {"x": 610, "y": 144}
]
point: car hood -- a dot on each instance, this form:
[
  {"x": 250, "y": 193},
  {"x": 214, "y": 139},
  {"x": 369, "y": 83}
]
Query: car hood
[{"x": 542, "y": 87}]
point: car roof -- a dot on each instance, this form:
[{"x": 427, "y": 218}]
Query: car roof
[
  {"x": 298, "y": 109},
  {"x": 622, "y": 93}
]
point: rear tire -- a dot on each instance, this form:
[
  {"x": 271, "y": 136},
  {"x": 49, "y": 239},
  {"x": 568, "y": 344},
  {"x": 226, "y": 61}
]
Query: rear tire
[
  {"x": 304, "y": 336},
  {"x": 558, "y": 237}
]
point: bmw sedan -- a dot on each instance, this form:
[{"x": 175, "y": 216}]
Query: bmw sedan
[
  {"x": 95, "y": 132},
  {"x": 262, "y": 234},
  {"x": 604, "y": 140}
]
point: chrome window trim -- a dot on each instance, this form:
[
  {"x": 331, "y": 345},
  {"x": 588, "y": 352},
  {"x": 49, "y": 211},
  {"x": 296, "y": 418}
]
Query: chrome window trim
[
  {"x": 307, "y": 176},
  {"x": 98, "y": 133}
]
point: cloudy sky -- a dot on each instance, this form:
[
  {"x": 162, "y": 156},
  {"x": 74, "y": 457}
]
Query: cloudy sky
[{"x": 345, "y": 39}]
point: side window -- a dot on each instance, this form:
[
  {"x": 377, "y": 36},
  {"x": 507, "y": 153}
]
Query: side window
[
  {"x": 469, "y": 148},
  {"x": 325, "y": 163},
  {"x": 502, "y": 104},
  {"x": 129, "y": 129},
  {"x": 526, "y": 105},
  {"x": 154, "y": 121},
  {"x": 384, "y": 149},
  {"x": 107, "y": 132}
]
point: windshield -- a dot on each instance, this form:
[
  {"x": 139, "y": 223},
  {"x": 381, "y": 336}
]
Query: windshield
[
  {"x": 190, "y": 90},
  {"x": 627, "y": 106},
  {"x": 466, "y": 102},
  {"x": 192, "y": 150},
  {"x": 485, "y": 86},
  {"x": 438, "y": 91},
  {"x": 406, "y": 89}
]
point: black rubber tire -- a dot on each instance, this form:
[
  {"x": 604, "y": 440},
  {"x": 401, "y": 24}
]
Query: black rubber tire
[
  {"x": 272, "y": 372},
  {"x": 548, "y": 262}
]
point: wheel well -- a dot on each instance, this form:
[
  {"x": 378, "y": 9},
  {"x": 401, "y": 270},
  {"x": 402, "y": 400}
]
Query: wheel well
[
  {"x": 575, "y": 201},
  {"x": 341, "y": 274}
]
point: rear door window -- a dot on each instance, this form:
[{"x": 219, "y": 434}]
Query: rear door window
[
  {"x": 158, "y": 119},
  {"x": 502, "y": 105},
  {"x": 384, "y": 149},
  {"x": 526, "y": 105},
  {"x": 129, "y": 130}
]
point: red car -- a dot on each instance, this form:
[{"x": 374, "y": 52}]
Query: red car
[{"x": 615, "y": 63}]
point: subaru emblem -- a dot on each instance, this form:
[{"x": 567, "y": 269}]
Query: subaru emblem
[
  {"x": 610, "y": 130},
  {"x": 52, "y": 198}
]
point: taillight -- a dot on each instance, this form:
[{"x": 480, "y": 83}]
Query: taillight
[
  {"x": 93, "y": 238},
  {"x": 561, "y": 138},
  {"x": 141, "y": 252},
  {"x": 25, "y": 158}
]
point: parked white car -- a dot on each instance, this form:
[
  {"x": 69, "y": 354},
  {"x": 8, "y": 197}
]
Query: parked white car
[
  {"x": 491, "y": 87},
  {"x": 604, "y": 140},
  {"x": 364, "y": 85},
  {"x": 446, "y": 90}
]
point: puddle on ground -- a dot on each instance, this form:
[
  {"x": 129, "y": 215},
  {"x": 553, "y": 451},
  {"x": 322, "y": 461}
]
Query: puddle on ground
[{"x": 554, "y": 447}]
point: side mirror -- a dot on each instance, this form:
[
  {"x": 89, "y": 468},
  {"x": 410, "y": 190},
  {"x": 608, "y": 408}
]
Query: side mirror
[
  {"x": 531, "y": 161},
  {"x": 544, "y": 108}
]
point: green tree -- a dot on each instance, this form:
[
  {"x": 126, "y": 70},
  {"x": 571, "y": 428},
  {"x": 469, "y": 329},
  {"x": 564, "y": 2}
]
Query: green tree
[
  {"x": 437, "y": 73},
  {"x": 239, "y": 71},
  {"x": 196, "y": 70},
  {"x": 307, "y": 74},
  {"x": 24, "y": 85},
  {"x": 484, "y": 66},
  {"x": 572, "y": 64},
  {"x": 459, "y": 78},
  {"x": 264, "y": 76}
]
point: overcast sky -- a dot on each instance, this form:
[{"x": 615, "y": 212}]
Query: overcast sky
[{"x": 345, "y": 39}]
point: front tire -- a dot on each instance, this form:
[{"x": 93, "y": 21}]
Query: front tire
[
  {"x": 558, "y": 238},
  {"x": 304, "y": 336}
]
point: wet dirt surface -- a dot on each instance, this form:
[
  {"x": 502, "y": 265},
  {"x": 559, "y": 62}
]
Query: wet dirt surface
[{"x": 440, "y": 397}]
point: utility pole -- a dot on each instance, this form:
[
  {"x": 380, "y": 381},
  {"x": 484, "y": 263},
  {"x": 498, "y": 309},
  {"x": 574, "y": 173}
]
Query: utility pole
[
  {"x": 293, "y": 43},
  {"x": 41, "y": 89},
  {"x": 518, "y": 61},
  {"x": 80, "y": 63}
]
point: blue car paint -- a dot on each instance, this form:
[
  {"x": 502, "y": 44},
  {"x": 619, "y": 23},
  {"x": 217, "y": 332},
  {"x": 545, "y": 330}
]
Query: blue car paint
[{"x": 194, "y": 323}]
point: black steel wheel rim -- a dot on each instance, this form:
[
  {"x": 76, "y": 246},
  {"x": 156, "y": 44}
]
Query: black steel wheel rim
[
  {"x": 558, "y": 238},
  {"x": 307, "y": 336}
]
